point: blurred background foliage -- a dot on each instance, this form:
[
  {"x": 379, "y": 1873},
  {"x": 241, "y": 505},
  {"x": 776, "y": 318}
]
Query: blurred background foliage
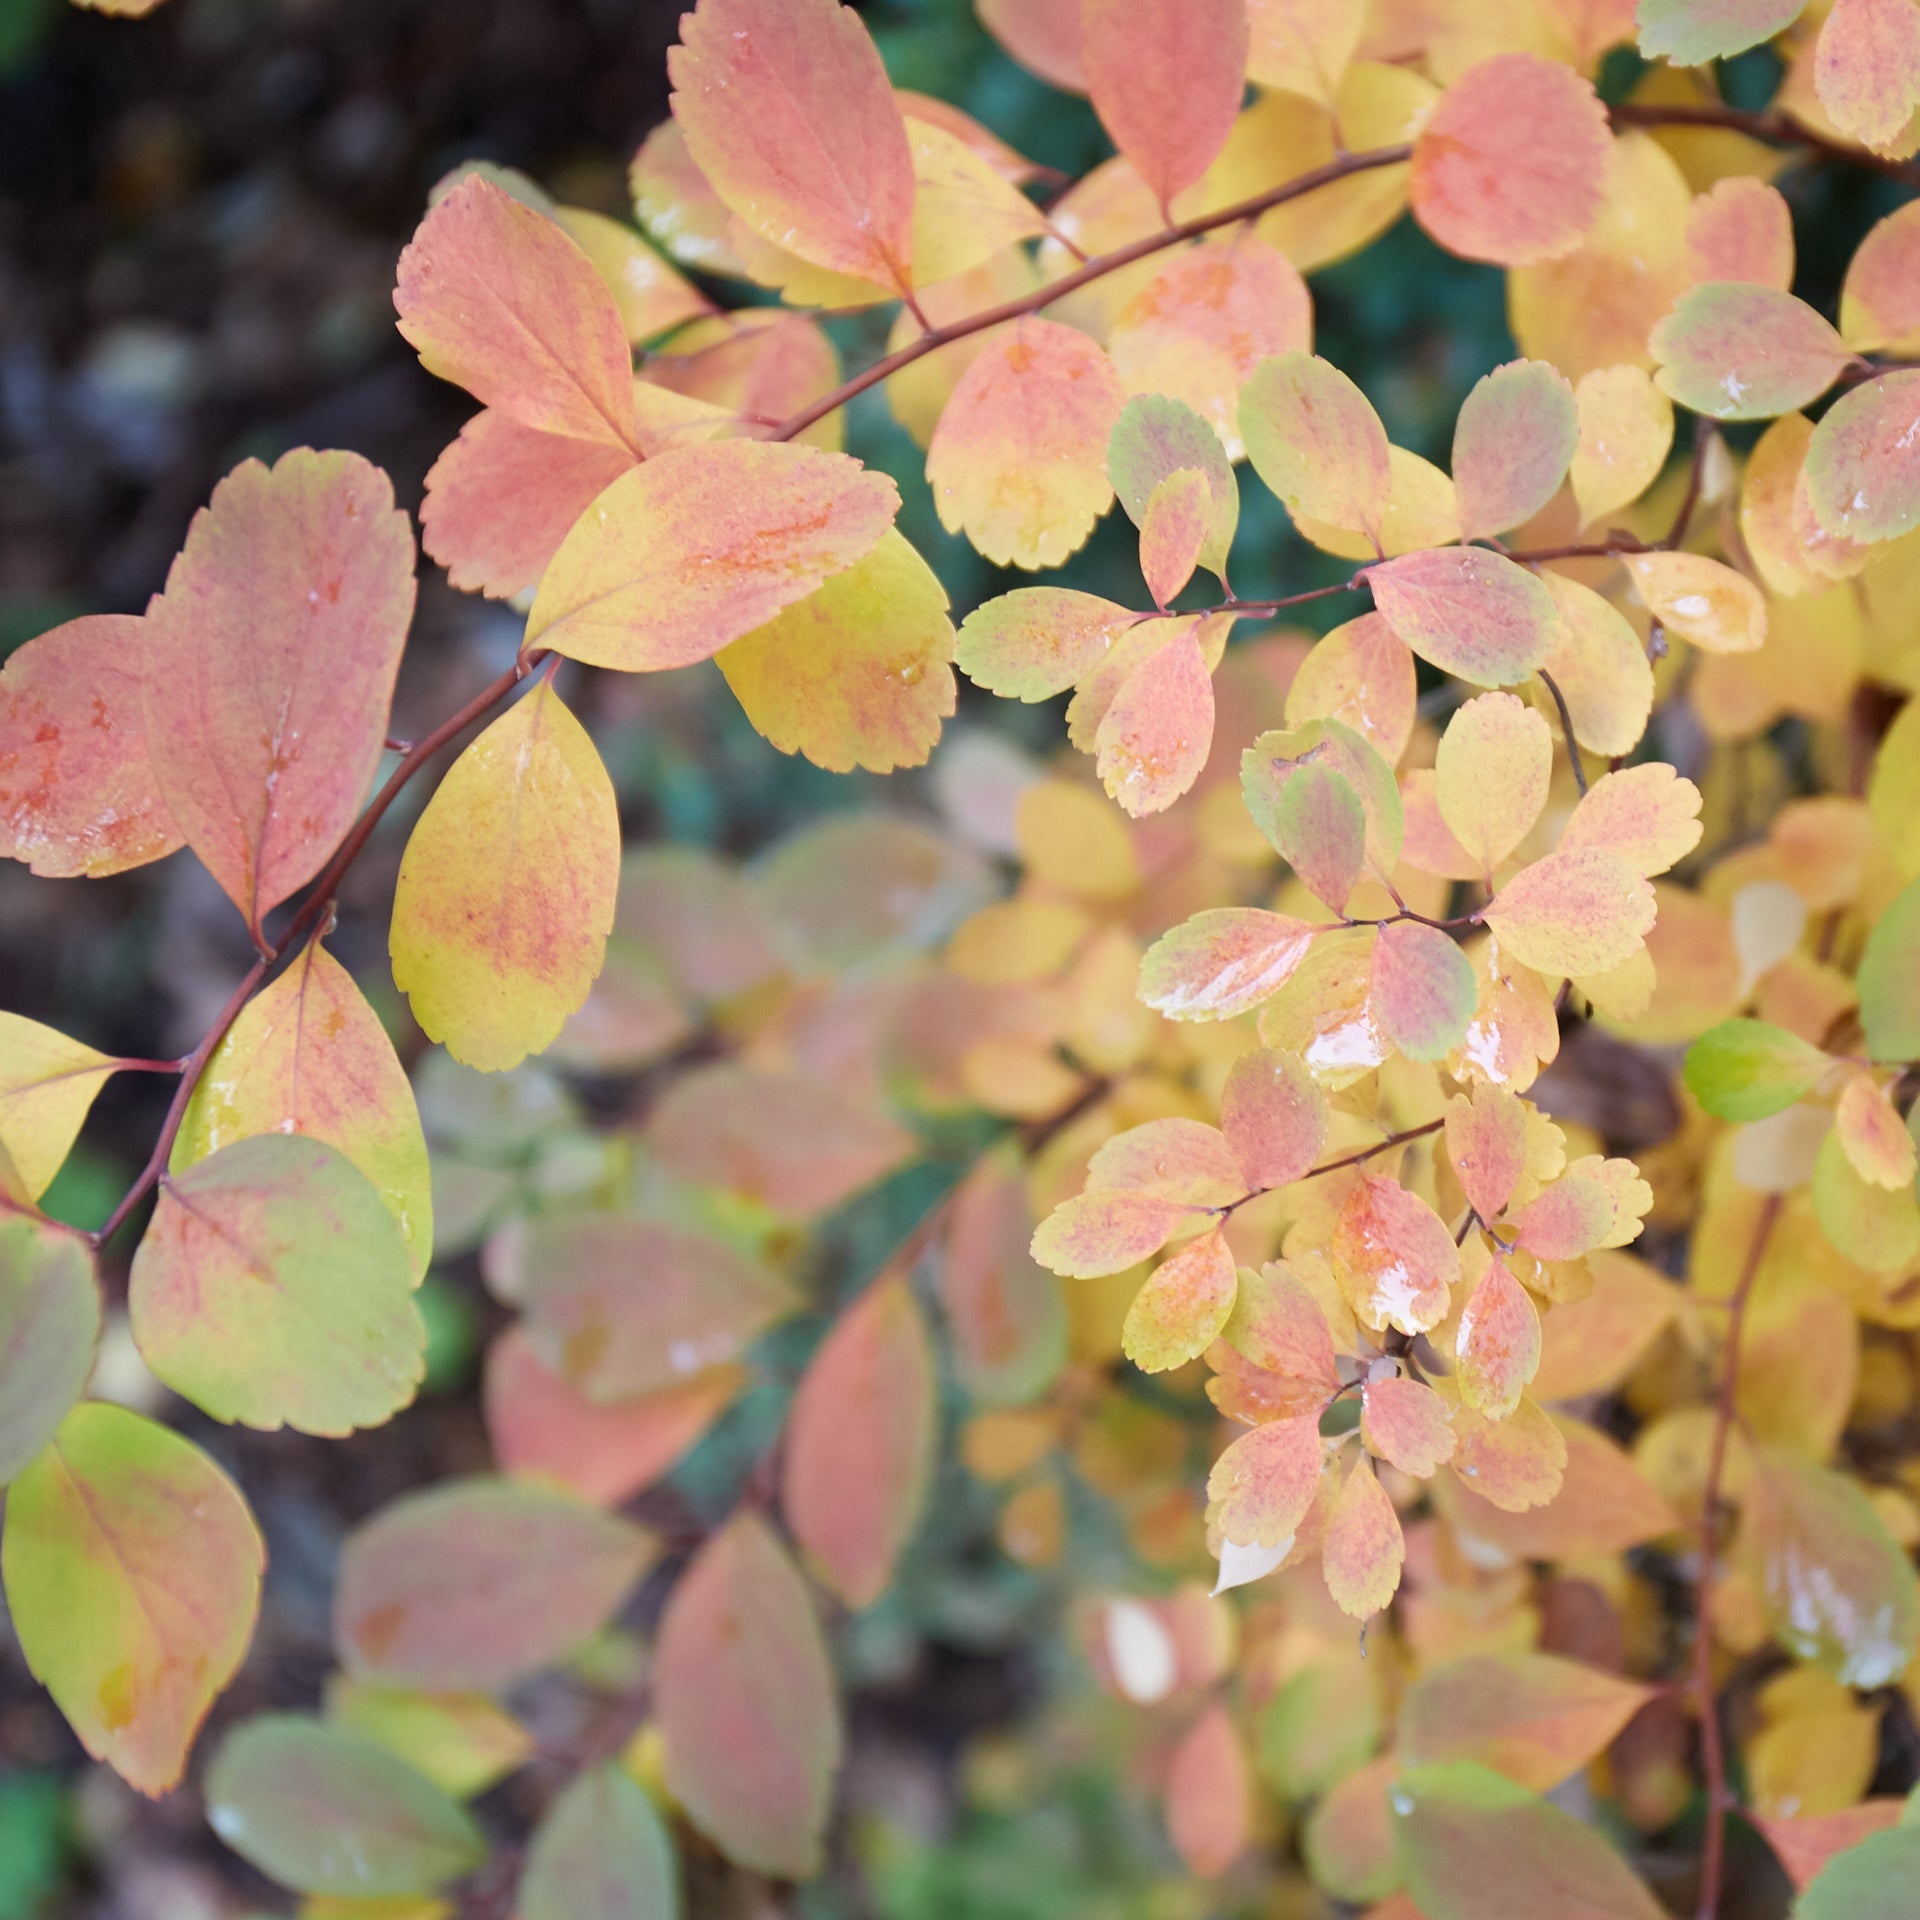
[{"x": 199, "y": 216}]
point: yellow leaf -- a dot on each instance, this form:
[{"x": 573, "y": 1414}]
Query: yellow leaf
[
  {"x": 1626, "y": 429},
  {"x": 47, "y": 1083}
]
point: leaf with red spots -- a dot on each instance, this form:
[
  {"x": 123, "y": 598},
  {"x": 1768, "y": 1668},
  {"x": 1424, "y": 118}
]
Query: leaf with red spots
[
  {"x": 1497, "y": 1346},
  {"x": 1471, "y": 613},
  {"x": 132, "y": 1572},
  {"x": 1866, "y": 69},
  {"x": 1578, "y": 912},
  {"x": 1156, "y": 438},
  {"x": 1106, "y": 1230},
  {"x": 1394, "y": 1256},
  {"x": 1319, "y": 828},
  {"x": 1278, "y": 1326},
  {"x": 1647, "y": 814},
  {"x": 1363, "y": 1550},
  {"x": 1036, "y": 642},
  {"x": 747, "y": 1706},
  {"x": 1274, "y": 1116},
  {"x": 1261, "y": 1487},
  {"x": 1153, "y": 739},
  {"x": 1175, "y": 1158},
  {"x": 1863, "y": 462},
  {"x": 1180, "y": 1311},
  {"x": 1486, "y": 1135},
  {"x": 271, "y": 658},
  {"x": 1406, "y": 1424},
  {"x": 1512, "y": 445},
  {"x": 1595, "y": 1203},
  {"x": 1423, "y": 991},
  {"x": 1173, "y": 529},
  {"x": 1491, "y": 776},
  {"x": 77, "y": 789}
]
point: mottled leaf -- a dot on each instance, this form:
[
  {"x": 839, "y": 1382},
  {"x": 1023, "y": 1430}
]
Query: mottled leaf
[
  {"x": 1036, "y": 642},
  {"x": 1274, "y": 1116},
  {"x": 1106, "y": 1230},
  {"x": 1262, "y": 1485},
  {"x": 1423, "y": 991},
  {"x": 1394, "y": 1255},
  {"x": 1863, "y": 463},
  {"x": 1222, "y": 962},
  {"x": 1497, "y": 1343},
  {"x": 1407, "y": 1424},
  {"x": 1180, "y": 1311},
  {"x": 1512, "y": 445},
  {"x": 1471, "y": 613},
  {"x": 1315, "y": 439},
  {"x": 1362, "y": 1552},
  {"x": 1580, "y": 912},
  {"x": 1210, "y": 1793},
  {"x": 1646, "y": 814}
]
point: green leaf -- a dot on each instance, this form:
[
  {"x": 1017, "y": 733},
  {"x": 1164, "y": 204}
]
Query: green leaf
[
  {"x": 132, "y": 1571},
  {"x": 1839, "y": 1589},
  {"x": 1156, "y": 436},
  {"x": 1873, "y": 1881},
  {"x": 1748, "y": 1069},
  {"x": 49, "y": 1320},
  {"x": 1889, "y": 980},
  {"x": 274, "y": 1288},
  {"x": 1473, "y": 1846},
  {"x": 1875, "y": 1227},
  {"x": 326, "y": 1811},
  {"x": 601, "y": 1853}
]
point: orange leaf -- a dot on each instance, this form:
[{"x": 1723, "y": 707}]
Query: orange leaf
[
  {"x": 701, "y": 545},
  {"x": 1394, "y": 1256},
  {"x": 1105, "y": 1231},
  {"x": 1166, "y": 78},
  {"x": 1363, "y": 1549},
  {"x": 1741, "y": 230},
  {"x": 1178, "y": 1314},
  {"x": 1302, "y": 46},
  {"x": 542, "y": 1428},
  {"x": 860, "y": 1442},
  {"x": 1597, "y": 1502},
  {"x": 1497, "y": 1347},
  {"x": 747, "y": 1705},
  {"x": 1210, "y": 1795},
  {"x": 1804, "y": 1845},
  {"x": 1486, "y": 1136},
  {"x": 1423, "y": 991},
  {"x": 495, "y": 297},
  {"x": 1491, "y": 775},
  {"x": 1866, "y": 68},
  {"x": 1646, "y": 814},
  {"x": 1880, "y": 299},
  {"x": 1018, "y": 461},
  {"x": 1532, "y": 1716},
  {"x": 1471, "y": 613},
  {"x": 1595, "y": 1203},
  {"x": 1578, "y": 912},
  {"x": 1514, "y": 440},
  {"x": 1036, "y": 642},
  {"x": 1280, "y": 1327},
  {"x": 1590, "y": 1345},
  {"x": 1154, "y": 737},
  {"x": 1222, "y": 962},
  {"x": 1511, "y": 166},
  {"x": 1315, "y": 439},
  {"x": 1701, "y": 600},
  {"x": 1274, "y": 1117},
  {"x": 77, "y": 786},
  {"x": 1406, "y": 1424},
  {"x": 1511, "y": 1466},
  {"x": 788, "y": 112},
  {"x": 1173, "y": 529},
  {"x": 1261, "y": 1487},
  {"x": 1175, "y": 1158},
  {"x": 296, "y": 585}
]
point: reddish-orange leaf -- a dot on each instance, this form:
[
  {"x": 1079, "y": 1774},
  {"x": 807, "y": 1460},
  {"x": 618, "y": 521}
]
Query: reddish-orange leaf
[
  {"x": 700, "y": 545},
  {"x": 1036, "y": 642},
  {"x": 1362, "y": 674},
  {"x": 1491, "y": 775},
  {"x": 544, "y": 1429},
  {"x": 1497, "y": 1347},
  {"x": 1646, "y": 814},
  {"x": 1805, "y": 1844},
  {"x": 270, "y": 665},
  {"x": 1423, "y": 992},
  {"x": 1486, "y": 1136},
  {"x": 1533, "y": 1716},
  {"x": 1469, "y": 612},
  {"x": 1210, "y": 1795},
  {"x": 1280, "y": 1327},
  {"x": 77, "y": 788},
  {"x": 756, "y": 365},
  {"x": 1166, "y": 78},
  {"x": 1223, "y": 962},
  {"x": 1863, "y": 463},
  {"x": 1866, "y": 68},
  {"x": 747, "y": 1705},
  {"x": 1180, "y": 1311},
  {"x": 1005, "y": 1318},
  {"x": 1595, "y": 1203},
  {"x": 1043, "y": 35},
  {"x": 1736, "y": 351},
  {"x": 1154, "y": 737},
  {"x": 1315, "y": 439},
  {"x": 1261, "y": 1487},
  {"x": 1254, "y": 1395},
  {"x": 860, "y": 1442},
  {"x": 1880, "y": 298},
  {"x": 1206, "y": 320},
  {"x": 1173, "y": 529},
  {"x": 1511, "y": 1465},
  {"x": 1175, "y": 1158},
  {"x": 1274, "y": 1116},
  {"x": 1512, "y": 445},
  {"x": 788, "y": 112},
  {"x": 1106, "y": 1230},
  {"x": 1511, "y": 166},
  {"x": 1407, "y": 1424},
  {"x": 1579, "y": 912},
  {"x": 1363, "y": 1549},
  {"x": 1741, "y": 230},
  {"x": 502, "y": 497},
  {"x": 1595, "y": 1500},
  {"x": 476, "y": 1583},
  {"x": 495, "y": 297},
  {"x": 1019, "y": 460},
  {"x": 1394, "y": 1255}
]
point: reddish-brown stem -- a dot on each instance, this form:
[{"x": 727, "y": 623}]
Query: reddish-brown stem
[
  {"x": 151, "y": 1066},
  {"x": 1095, "y": 269},
  {"x": 1566, "y": 727},
  {"x": 1713, "y": 1757},
  {"x": 1703, "y": 433},
  {"x": 1772, "y": 124},
  {"x": 1347, "y": 1160}
]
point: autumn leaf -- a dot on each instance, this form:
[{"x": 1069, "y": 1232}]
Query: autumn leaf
[
  {"x": 860, "y": 1442},
  {"x": 1872, "y": 1135},
  {"x": 1511, "y": 165},
  {"x": 1222, "y": 962},
  {"x": 746, "y": 1701},
  {"x": 1361, "y": 674},
  {"x": 1626, "y": 431},
  {"x": 1173, "y": 528},
  {"x": 1689, "y": 34},
  {"x": 1274, "y": 1117},
  {"x": 49, "y": 1322},
  {"x": 1647, "y": 814},
  {"x": 1363, "y": 1549},
  {"x": 1037, "y": 642},
  {"x": 506, "y": 890},
  {"x": 1469, "y": 612},
  {"x": 1278, "y": 1325},
  {"x": 1406, "y": 1424},
  {"x": 1180, "y": 1311},
  {"x": 1701, "y": 600},
  {"x": 295, "y": 585},
  {"x": 1497, "y": 1343},
  {"x": 1155, "y": 439},
  {"x": 1486, "y": 1135},
  {"x": 1153, "y": 738},
  {"x": 1005, "y": 1314},
  {"x": 600, "y": 1852},
  {"x": 1106, "y": 1230},
  {"x": 1577, "y": 912},
  {"x": 1863, "y": 470},
  {"x": 1866, "y": 69},
  {"x": 1491, "y": 774},
  {"x": 1269, "y": 767},
  {"x": 1315, "y": 439},
  {"x": 1319, "y": 827},
  {"x": 1877, "y": 311},
  {"x": 47, "y": 1087},
  {"x": 1394, "y": 1255},
  {"x": 1210, "y": 1795},
  {"x": 1594, "y": 1203},
  {"x": 77, "y": 787},
  {"x": 1175, "y": 1159},
  {"x": 475, "y": 1583},
  {"x": 1262, "y": 1485},
  {"x": 787, "y": 110},
  {"x": 1423, "y": 992},
  {"x": 1515, "y": 438},
  {"x": 1736, "y": 351},
  {"x": 1889, "y": 968},
  {"x": 132, "y": 1571}
]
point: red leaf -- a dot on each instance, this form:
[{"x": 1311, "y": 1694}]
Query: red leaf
[
  {"x": 1005, "y": 1315},
  {"x": 77, "y": 789},
  {"x": 1407, "y": 1424},
  {"x": 1394, "y": 1256},
  {"x": 1469, "y": 612},
  {"x": 1274, "y": 1117},
  {"x": 1486, "y": 1135},
  {"x": 270, "y": 666},
  {"x": 860, "y": 1442},
  {"x": 1281, "y": 1328},
  {"x": 1497, "y": 1347},
  {"x": 747, "y": 1706}
]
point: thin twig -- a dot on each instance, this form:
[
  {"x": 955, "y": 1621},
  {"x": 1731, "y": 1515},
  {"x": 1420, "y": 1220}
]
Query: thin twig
[
  {"x": 1566, "y": 726},
  {"x": 1774, "y": 126},
  {"x": 1703, "y": 432},
  {"x": 1713, "y": 1758}
]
